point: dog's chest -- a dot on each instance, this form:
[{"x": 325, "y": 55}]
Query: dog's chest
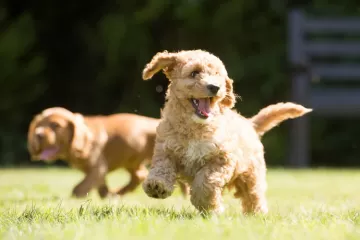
[
  {"x": 193, "y": 152},
  {"x": 199, "y": 150}
]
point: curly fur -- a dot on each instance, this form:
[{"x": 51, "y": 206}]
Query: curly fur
[
  {"x": 272, "y": 115},
  {"x": 96, "y": 145},
  {"x": 222, "y": 150}
]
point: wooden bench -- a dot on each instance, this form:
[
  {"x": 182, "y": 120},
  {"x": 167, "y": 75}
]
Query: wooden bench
[{"x": 326, "y": 101}]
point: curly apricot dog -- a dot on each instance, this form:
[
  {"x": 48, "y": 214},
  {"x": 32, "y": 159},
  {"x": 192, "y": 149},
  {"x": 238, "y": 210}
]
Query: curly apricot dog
[
  {"x": 95, "y": 145},
  {"x": 203, "y": 141}
]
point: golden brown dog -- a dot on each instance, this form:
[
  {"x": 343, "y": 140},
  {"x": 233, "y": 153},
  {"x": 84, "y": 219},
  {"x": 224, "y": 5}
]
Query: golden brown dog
[
  {"x": 203, "y": 141},
  {"x": 95, "y": 145}
]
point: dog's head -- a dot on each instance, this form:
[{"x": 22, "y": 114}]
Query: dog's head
[
  {"x": 57, "y": 133},
  {"x": 198, "y": 78}
]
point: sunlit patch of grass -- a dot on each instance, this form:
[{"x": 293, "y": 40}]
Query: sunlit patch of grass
[{"x": 305, "y": 204}]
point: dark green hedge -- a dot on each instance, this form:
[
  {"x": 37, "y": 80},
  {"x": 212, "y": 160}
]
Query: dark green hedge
[{"x": 88, "y": 56}]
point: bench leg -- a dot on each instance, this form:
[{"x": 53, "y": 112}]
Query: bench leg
[{"x": 299, "y": 143}]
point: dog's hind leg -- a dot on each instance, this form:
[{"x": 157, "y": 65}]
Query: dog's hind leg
[
  {"x": 208, "y": 185},
  {"x": 251, "y": 188}
]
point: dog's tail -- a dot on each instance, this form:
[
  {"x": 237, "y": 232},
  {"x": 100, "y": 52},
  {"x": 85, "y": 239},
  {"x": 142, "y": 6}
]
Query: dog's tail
[{"x": 273, "y": 115}]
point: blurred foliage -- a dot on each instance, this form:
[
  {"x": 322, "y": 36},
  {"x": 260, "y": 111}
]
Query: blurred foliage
[{"x": 88, "y": 56}]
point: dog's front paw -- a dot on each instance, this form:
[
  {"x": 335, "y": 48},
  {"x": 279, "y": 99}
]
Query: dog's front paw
[
  {"x": 79, "y": 192},
  {"x": 157, "y": 188}
]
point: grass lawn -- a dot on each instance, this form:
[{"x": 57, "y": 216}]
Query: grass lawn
[{"x": 303, "y": 204}]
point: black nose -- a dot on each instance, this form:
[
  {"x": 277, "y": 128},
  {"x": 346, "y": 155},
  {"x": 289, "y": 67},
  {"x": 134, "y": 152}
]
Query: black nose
[{"x": 213, "y": 89}]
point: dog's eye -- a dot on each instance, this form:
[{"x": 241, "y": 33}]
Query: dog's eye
[
  {"x": 194, "y": 73},
  {"x": 54, "y": 125}
]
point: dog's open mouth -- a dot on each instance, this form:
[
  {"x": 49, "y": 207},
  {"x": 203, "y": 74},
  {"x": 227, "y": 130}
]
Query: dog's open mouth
[
  {"x": 202, "y": 107},
  {"x": 48, "y": 153}
]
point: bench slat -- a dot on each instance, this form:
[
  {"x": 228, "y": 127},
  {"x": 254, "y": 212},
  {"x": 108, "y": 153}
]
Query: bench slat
[
  {"x": 332, "y": 25},
  {"x": 326, "y": 49},
  {"x": 336, "y": 72},
  {"x": 335, "y": 102}
]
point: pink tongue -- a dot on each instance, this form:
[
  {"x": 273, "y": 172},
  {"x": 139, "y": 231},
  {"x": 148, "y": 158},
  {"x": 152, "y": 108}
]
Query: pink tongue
[
  {"x": 48, "y": 153},
  {"x": 204, "y": 106}
]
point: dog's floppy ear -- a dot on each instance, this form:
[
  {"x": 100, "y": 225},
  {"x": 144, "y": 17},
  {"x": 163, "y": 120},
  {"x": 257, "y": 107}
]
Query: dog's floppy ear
[
  {"x": 32, "y": 144},
  {"x": 160, "y": 61},
  {"x": 82, "y": 137},
  {"x": 229, "y": 100}
]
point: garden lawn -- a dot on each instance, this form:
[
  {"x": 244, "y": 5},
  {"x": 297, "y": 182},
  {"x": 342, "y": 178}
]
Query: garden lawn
[{"x": 303, "y": 204}]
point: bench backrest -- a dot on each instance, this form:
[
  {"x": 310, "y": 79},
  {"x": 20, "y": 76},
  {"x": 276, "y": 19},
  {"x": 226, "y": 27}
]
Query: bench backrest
[{"x": 334, "y": 101}]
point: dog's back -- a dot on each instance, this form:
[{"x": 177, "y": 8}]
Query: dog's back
[{"x": 131, "y": 138}]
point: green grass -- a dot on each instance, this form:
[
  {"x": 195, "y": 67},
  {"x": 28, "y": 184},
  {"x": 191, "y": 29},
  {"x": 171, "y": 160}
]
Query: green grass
[{"x": 306, "y": 204}]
